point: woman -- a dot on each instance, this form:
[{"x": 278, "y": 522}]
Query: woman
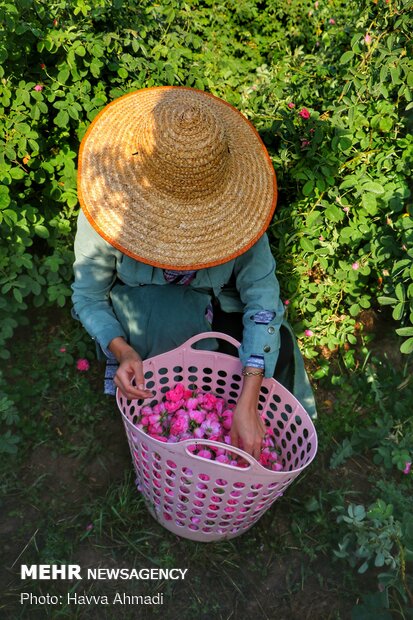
[{"x": 177, "y": 190}]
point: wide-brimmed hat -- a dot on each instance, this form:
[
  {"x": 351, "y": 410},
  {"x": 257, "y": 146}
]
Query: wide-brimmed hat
[{"x": 176, "y": 178}]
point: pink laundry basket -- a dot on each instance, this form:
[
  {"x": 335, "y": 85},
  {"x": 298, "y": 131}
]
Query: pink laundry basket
[{"x": 206, "y": 500}]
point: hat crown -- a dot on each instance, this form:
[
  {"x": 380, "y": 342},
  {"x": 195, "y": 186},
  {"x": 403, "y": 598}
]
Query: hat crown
[{"x": 184, "y": 149}]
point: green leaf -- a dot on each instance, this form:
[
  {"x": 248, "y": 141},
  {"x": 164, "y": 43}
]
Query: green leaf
[
  {"x": 407, "y": 346},
  {"x": 41, "y": 231},
  {"x": 346, "y": 57},
  {"x": 63, "y": 75},
  {"x": 4, "y": 197},
  {"x": 405, "y": 331},
  {"x": 334, "y": 214},
  {"x": 373, "y": 187},
  {"x": 17, "y": 295},
  {"x": 62, "y": 119},
  {"x": 400, "y": 292},
  {"x": 387, "y": 301},
  {"x": 386, "y": 123},
  {"x": 307, "y": 244},
  {"x": 369, "y": 202},
  {"x": 397, "y": 313}
]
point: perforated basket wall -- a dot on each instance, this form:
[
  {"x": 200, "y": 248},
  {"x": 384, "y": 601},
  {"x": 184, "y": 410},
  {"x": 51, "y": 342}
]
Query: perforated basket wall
[{"x": 200, "y": 499}]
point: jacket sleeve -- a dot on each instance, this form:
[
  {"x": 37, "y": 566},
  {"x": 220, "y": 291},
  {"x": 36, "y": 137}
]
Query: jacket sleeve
[
  {"x": 259, "y": 291},
  {"x": 94, "y": 275}
]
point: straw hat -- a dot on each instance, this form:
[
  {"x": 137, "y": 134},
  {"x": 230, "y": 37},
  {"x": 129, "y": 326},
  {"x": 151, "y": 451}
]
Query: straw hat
[{"x": 176, "y": 178}]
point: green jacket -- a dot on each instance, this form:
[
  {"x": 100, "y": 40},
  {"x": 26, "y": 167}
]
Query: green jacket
[{"x": 99, "y": 267}]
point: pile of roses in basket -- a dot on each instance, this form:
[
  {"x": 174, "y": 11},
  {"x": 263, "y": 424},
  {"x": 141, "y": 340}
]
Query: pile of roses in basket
[{"x": 186, "y": 414}]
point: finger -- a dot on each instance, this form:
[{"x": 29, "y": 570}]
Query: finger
[
  {"x": 234, "y": 439},
  {"x": 137, "y": 370},
  {"x": 129, "y": 391},
  {"x": 256, "y": 452},
  {"x": 248, "y": 447},
  {"x": 126, "y": 373}
]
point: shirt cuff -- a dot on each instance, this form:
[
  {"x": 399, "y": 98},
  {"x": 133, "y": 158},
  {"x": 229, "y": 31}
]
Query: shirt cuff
[{"x": 256, "y": 361}]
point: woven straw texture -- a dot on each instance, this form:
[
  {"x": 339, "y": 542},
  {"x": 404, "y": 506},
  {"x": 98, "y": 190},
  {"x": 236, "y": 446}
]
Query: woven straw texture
[{"x": 176, "y": 178}]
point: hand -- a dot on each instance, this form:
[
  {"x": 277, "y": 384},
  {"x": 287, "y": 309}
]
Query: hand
[
  {"x": 248, "y": 430},
  {"x": 130, "y": 365}
]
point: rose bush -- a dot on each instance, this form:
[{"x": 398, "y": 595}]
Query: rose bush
[{"x": 328, "y": 85}]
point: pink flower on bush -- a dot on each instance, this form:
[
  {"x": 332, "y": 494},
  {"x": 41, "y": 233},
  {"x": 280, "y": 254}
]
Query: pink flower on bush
[
  {"x": 408, "y": 467},
  {"x": 287, "y": 302},
  {"x": 38, "y": 87},
  {"x": 355, "y": 266},
  {"x": 367, "y": 39},
  {"x": 309, "y": 332},
  {"x": 304, "y": 113},
  {"x": 291, "y": 105},
  {"x": 82, "y": 365},
  {"x": 305, "y": 143},
  {"x": 62, "y": 349},
  {"x": 346, "y": 209},
  {"x": 331, "y": 21}
]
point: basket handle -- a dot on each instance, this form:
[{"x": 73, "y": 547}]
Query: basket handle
[
  {"x": 205, "y": 335},
  {"x": 182, "y": 447}
]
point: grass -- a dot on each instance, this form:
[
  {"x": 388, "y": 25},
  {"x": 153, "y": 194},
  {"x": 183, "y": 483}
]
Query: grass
[{"x": 69, "y": 498}]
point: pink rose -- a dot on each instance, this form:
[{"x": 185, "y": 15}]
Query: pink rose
[
  {"x": 172, "y": 406},
  {"x": 291, "y": 105},
  {"x": 176, "y": 394},
  {"x": 197, "y": 416},
  {"x": 331, "y": 21},
  {"x": 309, "y": 333},
  {"x": 62, "y": 349},
  {"x": 222, "y": 458},
  {"x": 192, "y": 403},
  {"x": 211, "y": 428},
  {"x": 159, "y": 408},
  {"x": 179, "y": 426},
  {"x": 82, "y": 365},
  {"x": 205, "y": 454},
  {"x": 304, "y": 113},
  {"x": 156, "y": 429},
  {"x": 154, "y": 418},
  {"x": 38, "y": 87}
]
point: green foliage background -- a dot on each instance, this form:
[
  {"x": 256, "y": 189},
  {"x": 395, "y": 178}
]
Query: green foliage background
[{"x": 343, "y": 231}]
